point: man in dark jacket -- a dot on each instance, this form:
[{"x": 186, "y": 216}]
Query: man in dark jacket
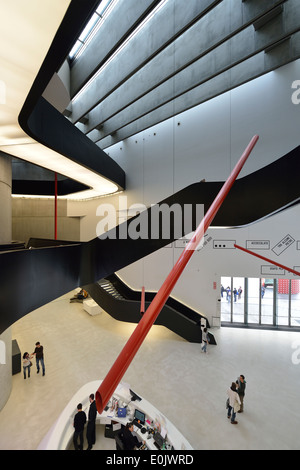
[
  {"x": 130, "y": 441},
  {"x": 241, "y": 384},
  {"x": 39, "y": 356},
  {"x": 79, "y": 422},
  {"x": 91, "y": 425}
]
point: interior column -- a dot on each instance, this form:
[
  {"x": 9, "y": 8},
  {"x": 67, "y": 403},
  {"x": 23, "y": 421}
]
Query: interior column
[{"x": 5, "y": 237}]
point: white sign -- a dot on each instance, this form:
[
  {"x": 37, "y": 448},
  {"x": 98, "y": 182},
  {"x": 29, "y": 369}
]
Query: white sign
[
  {"x": 270, "y": 270},
  {"x": 283, "y": 244},
  {"x": 258, "y": 244}
]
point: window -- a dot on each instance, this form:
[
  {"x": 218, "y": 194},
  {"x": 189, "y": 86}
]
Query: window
[
  {"x": 295, "y": 303},
  {"x": 226, "y": 299},
  {"x": 238, "y": 308},
  {"x": 99, "y": 14},
  {"x": 260, "y": 301},
  {"x": 267, "y": 301},
  {"x": 283, "y": 301}
]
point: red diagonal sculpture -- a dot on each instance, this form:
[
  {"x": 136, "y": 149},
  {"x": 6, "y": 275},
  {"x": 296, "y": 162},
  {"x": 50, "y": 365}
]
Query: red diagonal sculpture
[
  {"x": 124, "y": 359},
  {"x": 267, "y": 259}
]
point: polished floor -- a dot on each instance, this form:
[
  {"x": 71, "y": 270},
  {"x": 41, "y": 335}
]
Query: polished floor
[{"x": 186, "y": 385}]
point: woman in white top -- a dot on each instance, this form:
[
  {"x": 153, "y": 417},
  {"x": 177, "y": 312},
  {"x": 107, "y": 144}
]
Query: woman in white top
[
  {"x": 26, "y": 364},
  {"x": 234, "y": 403}
]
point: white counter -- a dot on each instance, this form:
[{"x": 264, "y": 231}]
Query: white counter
[{"x": 61, "y": 433}]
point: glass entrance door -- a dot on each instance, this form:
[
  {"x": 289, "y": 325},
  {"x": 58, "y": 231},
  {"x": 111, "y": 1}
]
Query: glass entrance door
[{"x": 260, "y": 301}]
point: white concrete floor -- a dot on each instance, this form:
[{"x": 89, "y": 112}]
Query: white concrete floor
[{"x": 186, "y": 385}]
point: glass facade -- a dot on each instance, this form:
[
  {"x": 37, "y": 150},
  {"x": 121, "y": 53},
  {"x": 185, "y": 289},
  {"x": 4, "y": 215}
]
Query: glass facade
[{"x": 260, "y": 301}]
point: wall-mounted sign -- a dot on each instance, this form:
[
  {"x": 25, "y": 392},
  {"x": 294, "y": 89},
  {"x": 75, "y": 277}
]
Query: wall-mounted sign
[
  {"x": 283, "y": 244},
  {"x": 224, "y": 244},
  {"x": 271, "y": 270},
  {"x": 257, "y": 244}
]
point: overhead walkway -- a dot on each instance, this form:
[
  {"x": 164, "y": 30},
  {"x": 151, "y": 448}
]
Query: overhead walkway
[{"x": 30, "y": 278}]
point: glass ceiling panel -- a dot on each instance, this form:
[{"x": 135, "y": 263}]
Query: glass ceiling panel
[
  {"x": 102, "y": 7},
  {"x": 89, "y": 27},
  {"x": 85, "y": 34}
]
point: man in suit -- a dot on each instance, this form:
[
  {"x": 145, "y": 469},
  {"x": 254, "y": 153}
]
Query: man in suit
[{"x": 91, "y": 425}]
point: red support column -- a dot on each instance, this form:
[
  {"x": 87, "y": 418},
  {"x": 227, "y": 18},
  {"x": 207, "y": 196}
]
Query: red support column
[{"x": 114, "y": 376}]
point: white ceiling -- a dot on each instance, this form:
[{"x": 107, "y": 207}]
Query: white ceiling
[{"x": 27, "y": 30}]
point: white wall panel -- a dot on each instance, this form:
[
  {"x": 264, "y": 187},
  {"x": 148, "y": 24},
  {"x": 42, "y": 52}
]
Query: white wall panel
[{"x": 207, "y": 144}]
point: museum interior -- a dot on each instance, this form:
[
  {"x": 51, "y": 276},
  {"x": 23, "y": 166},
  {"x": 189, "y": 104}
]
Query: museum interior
[{"x": 149, "y": 223}]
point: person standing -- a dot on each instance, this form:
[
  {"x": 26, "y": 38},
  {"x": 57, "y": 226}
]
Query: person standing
[
  {"x": 79, "y": 422},
  {"x": 241, "y": 384},
  {"x": 233, "y": 404},
  {"x": 26, "y": 364},
  {"x": 204, "y": 340},
  {"x": 91, "y": 425},
  {"x": 39, "y": 356},
  {"x": 240, "y": 291}
]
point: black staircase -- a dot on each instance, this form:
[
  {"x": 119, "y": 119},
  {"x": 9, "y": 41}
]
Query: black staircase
[{"x": 123, "y": 304}]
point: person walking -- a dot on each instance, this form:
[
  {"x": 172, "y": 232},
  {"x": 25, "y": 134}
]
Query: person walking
[
  {"x": 39, "y": 356},
  {"x": 204, "y": 340},
  {"x": 241, "y": 386},
  {"x": 79, "y": 422},
  {"x": 234, "y": 403},
  {"x": 91, "y": 425},
  {"x": 26, "y": 364}
]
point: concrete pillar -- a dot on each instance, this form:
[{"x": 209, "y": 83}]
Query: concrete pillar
[
  {"x": 5, "y": 237},
  {"x": 5, "y": 198}
]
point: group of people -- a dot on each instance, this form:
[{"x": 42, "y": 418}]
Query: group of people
[
  {"x": 79, "y": 423},
  {"x": 237, "y": 293},
  {"x": 235, "y": 400},
  {"x": 39, "y": 356},
  {"x": 129, "y": 440}
]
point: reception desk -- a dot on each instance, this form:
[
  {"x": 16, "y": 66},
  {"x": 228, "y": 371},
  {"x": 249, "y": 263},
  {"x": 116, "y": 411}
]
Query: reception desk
[{"x": 61, "y": 433}]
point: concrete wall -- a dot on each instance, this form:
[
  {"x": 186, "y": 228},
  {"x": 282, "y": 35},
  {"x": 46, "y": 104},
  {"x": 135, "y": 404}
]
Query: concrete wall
[
  {"x": 34, "y": 217},
  {"x": 5, "y": 197},
  {"x": 205, "y": 142}
]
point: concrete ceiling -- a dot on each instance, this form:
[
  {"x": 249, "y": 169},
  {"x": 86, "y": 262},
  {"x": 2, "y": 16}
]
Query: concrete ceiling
[
  {"x": 131, "y": 77},
  {"x": 149, "y": 61}
]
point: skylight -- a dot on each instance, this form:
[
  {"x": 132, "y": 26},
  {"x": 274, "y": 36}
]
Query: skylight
[{"x": 102, "y": 10}]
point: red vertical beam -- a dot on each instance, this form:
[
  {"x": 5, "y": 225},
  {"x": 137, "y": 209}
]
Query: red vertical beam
[
  {"x": 142, "y": 309},
  {"x": 55, "y": 208},
  {"x": 267, "y": 259},
  {"x": 118, "y": 369}
]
